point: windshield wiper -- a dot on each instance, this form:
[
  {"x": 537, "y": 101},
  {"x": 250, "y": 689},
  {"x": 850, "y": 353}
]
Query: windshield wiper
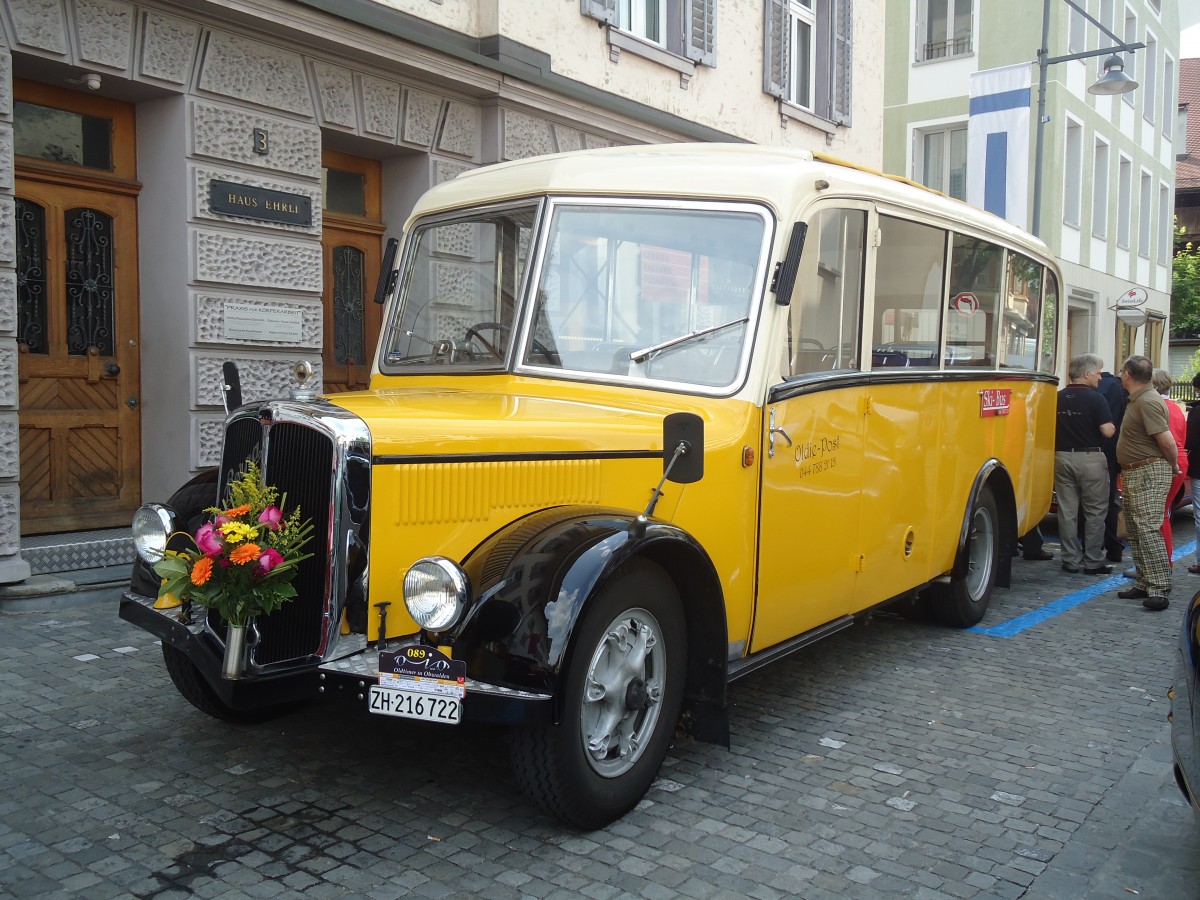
[{"x": 640, "y": 356}]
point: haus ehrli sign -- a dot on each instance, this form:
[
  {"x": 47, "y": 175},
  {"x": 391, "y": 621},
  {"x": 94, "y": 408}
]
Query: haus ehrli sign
[{"x": 259, "y": 203}]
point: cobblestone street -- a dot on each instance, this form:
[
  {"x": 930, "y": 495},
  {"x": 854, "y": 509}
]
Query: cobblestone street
[{"x": 1026, "y": 758}]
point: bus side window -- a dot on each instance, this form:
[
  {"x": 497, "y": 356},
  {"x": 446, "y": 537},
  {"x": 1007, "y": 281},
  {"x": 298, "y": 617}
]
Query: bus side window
[
  {"x": 1022, "y": 308},
  {"x": 825, "y": 315},
  {"x": 976, "y": 268},
  {"x": 1049, "y": 345},
  {"x": 909, "y": 287}
]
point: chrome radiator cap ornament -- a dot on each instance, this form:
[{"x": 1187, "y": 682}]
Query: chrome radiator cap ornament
[{"x": 306, "y": 387}]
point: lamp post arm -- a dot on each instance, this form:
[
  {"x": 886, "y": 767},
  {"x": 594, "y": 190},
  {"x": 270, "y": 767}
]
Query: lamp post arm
[{"x": 1089, "y": 54}]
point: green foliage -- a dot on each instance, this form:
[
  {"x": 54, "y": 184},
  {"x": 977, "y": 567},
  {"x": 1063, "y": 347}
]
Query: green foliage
[
  {"x": 245, "y": 558},
  {"x": 1185, "y": 289}
]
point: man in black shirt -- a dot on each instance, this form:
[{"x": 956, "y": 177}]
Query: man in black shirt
[
  {"x": 1114, "y": 393},
  {"x": 1080, "y": 469}
]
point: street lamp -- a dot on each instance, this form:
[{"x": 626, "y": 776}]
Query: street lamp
[{"x": 1113, "y": 81}]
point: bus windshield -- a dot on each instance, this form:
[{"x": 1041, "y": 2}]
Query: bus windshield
[{"x": 626, "y": 292}]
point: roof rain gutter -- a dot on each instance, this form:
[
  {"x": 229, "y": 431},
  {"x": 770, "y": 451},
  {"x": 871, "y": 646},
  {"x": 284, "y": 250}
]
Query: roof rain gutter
[{"x": 507, "y": 57}]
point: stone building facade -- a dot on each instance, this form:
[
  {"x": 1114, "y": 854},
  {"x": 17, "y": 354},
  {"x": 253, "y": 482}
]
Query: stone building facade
[{"x": 231, "y": 125}]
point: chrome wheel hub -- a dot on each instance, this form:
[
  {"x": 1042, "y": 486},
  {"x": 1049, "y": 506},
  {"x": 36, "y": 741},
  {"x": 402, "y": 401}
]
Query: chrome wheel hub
[{"x": 622, "y": 693}]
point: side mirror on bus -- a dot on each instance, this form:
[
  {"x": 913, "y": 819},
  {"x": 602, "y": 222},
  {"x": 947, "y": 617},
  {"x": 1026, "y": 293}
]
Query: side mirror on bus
[
  {"x": 683, "y": 448},
  {"x": 784, "y": 278},
  {"x": 388, "y": 273}
]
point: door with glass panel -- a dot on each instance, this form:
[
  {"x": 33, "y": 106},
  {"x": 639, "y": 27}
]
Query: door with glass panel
[
  {"x": 350, "y": 244},
  {"x": 77, "y": 310}
]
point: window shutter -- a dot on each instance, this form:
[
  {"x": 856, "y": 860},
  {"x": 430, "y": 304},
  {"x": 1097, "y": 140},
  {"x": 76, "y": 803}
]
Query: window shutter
[
  {"x": 843, "y": 60},
  {"x": 823, "y": 57},
  {"x": 776, "y": 49},
  {"x": 604, "y": 10},
  {"x": 700, "y": 27}
]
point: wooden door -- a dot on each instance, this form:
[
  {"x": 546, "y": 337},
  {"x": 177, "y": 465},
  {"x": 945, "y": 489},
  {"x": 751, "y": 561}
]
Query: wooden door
[
  {"x": 78, "y": 343},
  {"x": 351, "y": 248}
]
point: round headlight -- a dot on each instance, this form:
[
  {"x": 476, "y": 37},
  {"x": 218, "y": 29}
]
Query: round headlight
[
  {"x": 152, "y": 526},
  {"x": 435, "y": 592}
]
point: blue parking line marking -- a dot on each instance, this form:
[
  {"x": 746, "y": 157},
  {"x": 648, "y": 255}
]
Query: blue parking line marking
[{"x": 1028, "y": 620}]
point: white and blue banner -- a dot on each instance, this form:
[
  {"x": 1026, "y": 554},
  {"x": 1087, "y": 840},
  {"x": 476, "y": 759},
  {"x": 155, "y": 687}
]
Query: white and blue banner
[{"x": 998, "y": 142}]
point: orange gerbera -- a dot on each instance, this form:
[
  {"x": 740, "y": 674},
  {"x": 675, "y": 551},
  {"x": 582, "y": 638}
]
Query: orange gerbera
[
  {"x": 202, "y": 571},
  {"x": 247, "y": 553},
  {"x": 238, "y": 511}
]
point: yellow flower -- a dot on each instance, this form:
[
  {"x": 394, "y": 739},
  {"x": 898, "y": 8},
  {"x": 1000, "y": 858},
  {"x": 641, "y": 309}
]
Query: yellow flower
[
  {"x": 202, "y": 571},
  {"x": 247, "y": 553},
  {"x": 235, "y": 532}
]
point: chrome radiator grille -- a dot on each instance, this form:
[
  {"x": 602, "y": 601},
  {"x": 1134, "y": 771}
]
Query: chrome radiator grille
[{"x": 300, "y": 461}]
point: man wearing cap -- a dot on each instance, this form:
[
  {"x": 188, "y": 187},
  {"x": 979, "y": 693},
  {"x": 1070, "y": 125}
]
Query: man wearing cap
[{"x": 1149, "y": 461}]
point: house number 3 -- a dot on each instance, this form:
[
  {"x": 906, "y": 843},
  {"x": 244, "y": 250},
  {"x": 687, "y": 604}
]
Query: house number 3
[{"x": 261, "y": 141}]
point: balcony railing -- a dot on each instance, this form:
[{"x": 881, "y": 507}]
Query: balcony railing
[{"x": 944, "y": 49}]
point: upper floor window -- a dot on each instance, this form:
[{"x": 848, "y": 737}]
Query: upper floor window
[
  {"x": 685, "y": 28},
  {"x": 645, "y": 18},
  {"x": 942, "y": 159},
  {"x": 1130, "y": 58},
  {"x": 1150, "y": 84},
  {"x": 944, "y": 28},
  {"x": 1168, "y": 96},
  {"x": 808, "y": 55}
]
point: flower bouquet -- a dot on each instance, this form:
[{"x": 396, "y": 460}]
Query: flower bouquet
[{"x": 245, "y": 559}]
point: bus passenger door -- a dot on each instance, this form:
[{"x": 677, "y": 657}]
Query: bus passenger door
[
  {"x": 810, "y": 523},
  {"x": 811, "y": 509},
  {"x": 904, "y": 455},
  {"x": 903, "y": 452}
]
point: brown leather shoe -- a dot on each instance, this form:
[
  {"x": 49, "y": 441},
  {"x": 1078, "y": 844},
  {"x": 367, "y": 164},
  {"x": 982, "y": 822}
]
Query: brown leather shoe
[
  {"x": 1156, "y": 603},
  {"x": 1133, "y": 593}
]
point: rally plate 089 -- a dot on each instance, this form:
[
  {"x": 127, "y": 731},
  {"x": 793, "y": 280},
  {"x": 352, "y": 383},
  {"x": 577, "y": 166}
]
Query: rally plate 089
[{"x": 419, "y": 683}]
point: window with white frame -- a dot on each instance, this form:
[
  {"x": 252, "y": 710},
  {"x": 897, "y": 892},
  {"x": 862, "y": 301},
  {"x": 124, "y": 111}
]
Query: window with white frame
[
  {"x": 944, "y": 28},
  {"x": 808, "y": 56},
  {"x": 645, "y": 18},
  {"x": 684, "y": 28},
  {"x": 802, "y": 24},
  {"x": 1077, "y": 31},
  {"x": 1168, "y": 96},
  {"x": 1105, "y": 18},
  {"x": 1073, "y": 174},
  {"x": 1150, "y": 87},
  {"x": 1144, "y": 201},
  {"x": 1130, "y": 59},
  {"x": 1124, "y": 201},
  {"x": 941, "y": 159},
  {"x": 1100, "y": 190},
  {"x": 1164, "y": 224}
]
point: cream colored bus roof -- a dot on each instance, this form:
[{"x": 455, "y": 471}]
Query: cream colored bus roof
[{"x": 783, "y": 179}]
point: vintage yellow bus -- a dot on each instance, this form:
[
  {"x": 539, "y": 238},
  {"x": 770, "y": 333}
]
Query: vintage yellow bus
[{"x": 641, "y": 420}]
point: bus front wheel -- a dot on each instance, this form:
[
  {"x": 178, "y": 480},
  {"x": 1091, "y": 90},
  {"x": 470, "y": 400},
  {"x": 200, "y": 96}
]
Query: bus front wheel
[
  {"x": 623, "y": 691},
  {"x": 963, "y": 602}
]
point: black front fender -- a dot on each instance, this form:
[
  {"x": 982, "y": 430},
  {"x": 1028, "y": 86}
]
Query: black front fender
[{"x": 536, "y": 577}]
